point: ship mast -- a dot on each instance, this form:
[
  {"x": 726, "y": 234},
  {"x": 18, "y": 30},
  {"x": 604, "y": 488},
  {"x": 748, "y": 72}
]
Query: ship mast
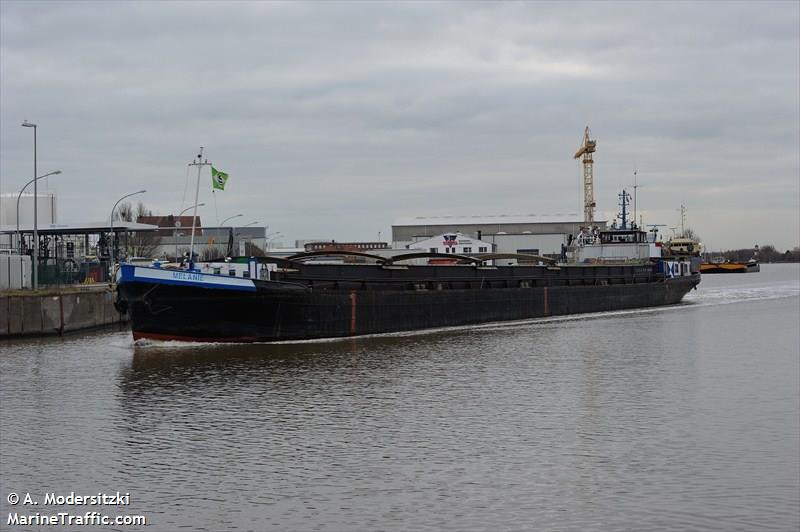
[
  {"x": 624, "y": 201},
  {"x": 635, "y": 187},
  {"x": 683, "y": 221},
  {"x": 586, "y": 150},
  {"x": 199, "y": 163}
]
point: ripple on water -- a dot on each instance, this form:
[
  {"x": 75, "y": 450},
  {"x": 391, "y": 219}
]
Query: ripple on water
[{"x": 662, "y": 419}]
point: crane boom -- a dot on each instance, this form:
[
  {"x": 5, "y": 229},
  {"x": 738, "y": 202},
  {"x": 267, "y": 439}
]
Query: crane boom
[{"x": 588, "y": 147}]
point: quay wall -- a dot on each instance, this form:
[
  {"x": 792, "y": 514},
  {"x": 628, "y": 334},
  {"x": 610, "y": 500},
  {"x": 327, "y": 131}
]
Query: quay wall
[{"x": 56, "y": 313}]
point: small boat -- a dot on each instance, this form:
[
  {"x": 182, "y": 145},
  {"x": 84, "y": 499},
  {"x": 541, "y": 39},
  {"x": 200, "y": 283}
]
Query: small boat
[{"x": 750, "y": 266}]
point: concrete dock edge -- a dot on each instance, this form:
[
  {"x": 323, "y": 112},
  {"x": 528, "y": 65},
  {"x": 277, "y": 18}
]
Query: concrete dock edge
[{"x": 54, "y": 313}]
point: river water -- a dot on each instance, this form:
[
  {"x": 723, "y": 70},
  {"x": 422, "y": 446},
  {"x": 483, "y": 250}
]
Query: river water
[{"x": 679, "y": 418}]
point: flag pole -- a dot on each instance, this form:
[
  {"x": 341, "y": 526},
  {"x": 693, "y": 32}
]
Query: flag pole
[
  {"x": 216, "y": 212},
  {"x": 199, "y": 164}
]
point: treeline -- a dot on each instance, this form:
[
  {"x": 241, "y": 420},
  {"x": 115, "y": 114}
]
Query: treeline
[{"x": 766, "y": 253}]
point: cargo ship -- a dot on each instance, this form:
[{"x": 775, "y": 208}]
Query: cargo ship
[
  {"x": 303, "y": 301},
  {"x": 296, "y": 298},
  {"x": 300, "y": 298}
]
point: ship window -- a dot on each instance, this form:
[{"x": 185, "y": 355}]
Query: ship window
[
  {"x": 482, "y": 249},
  {"x": 433, "y": 250},
  {"x": 467, "y": 250}
]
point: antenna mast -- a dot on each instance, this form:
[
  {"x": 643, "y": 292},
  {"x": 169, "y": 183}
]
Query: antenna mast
[
  {"x": 635, "y": 187},
  {"x": 683, "y": 221},
  {"x": 586, "y": 150},
  {"x": 624, "y": 201}
]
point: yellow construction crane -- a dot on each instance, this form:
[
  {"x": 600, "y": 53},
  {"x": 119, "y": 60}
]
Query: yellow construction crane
[{"x": 586, "y": 150}]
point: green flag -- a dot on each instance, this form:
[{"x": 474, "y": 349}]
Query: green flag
[{"x": 218, "y": 179}]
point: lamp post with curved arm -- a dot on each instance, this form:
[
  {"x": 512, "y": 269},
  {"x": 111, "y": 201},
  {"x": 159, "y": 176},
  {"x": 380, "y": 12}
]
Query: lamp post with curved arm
[
  {"x": 178, "y": 224},
  {"x": 191, "y": 207},
  {"x": 242, "y": 227},
  {"x": 275, "y": 235},
  {"x": 114, "y": 251},
  {"x": 233, "y": 229},
  {"x": 25, "y": 123},
  {"x": 230, "y": 218},
  {"x": 56, "y": 172}
]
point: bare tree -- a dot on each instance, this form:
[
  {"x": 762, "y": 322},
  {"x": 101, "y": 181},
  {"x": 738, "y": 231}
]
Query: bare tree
[
  {"x": 210, "y": 254},
  {"x": 124, "y": 212},
  {"x": 252, "y": 250},
  {"x": 690, "y": 233},
  {"x": 140, "y": 244}
]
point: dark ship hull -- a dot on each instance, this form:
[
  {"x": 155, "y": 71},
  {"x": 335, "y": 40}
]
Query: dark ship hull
[{"x": 335, "y": 300}]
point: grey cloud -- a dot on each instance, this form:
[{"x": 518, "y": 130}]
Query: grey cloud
[{"x": 336, "y": 117}]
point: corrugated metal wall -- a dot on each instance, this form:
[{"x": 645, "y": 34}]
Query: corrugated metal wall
[{"x": 15, "y": 272}]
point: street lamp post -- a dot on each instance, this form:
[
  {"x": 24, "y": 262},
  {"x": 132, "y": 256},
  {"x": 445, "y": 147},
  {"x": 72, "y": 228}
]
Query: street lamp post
[
  {"x": 230, "y": 218},
  {"x": 242, "y": 227},
  {"x": 114, "y": 240},
  {"x": 233, "y": 229},
  {"x": 19, "y": 246},
  {"x": 177, "y": 224},
  {"x": 25, "y": 123},
  {"x": 268, "y": 239},
  {"x": 274, "y": 236}
]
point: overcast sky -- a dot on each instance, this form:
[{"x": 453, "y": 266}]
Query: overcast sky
[{"x": 333, "y": 119}]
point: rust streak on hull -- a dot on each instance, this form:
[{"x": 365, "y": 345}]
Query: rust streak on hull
[{"x": 353, "y": 306}]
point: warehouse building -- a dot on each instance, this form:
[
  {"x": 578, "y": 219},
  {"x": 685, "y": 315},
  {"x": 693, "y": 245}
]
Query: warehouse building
[{"x": 508, "y": 233}]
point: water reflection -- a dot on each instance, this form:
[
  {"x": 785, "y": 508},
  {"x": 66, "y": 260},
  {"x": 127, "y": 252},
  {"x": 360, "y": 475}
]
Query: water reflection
[
  {"x": 171, "y": 365},
  {"x": 672, "y": 419}
]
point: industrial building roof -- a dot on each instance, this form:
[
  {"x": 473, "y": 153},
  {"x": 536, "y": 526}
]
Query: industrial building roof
[
  {"x": 80, "y": 228},
  {"x": 490, "y": 219}
]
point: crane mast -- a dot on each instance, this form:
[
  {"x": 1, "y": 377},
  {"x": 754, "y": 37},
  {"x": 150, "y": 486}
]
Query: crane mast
[{"x": 586, "y": 150}]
